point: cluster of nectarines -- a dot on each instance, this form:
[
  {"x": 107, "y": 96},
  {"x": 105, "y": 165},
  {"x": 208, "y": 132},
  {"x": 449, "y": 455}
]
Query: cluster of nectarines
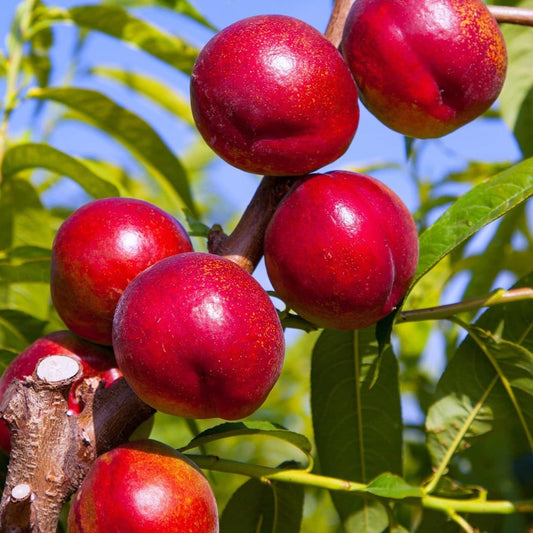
[{"x": 192, "y": 333}]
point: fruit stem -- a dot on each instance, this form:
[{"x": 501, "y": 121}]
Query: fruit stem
[
  {"x": 512, "y": 15},
  {"x": 244, "y": 245},
  {"x": 498, "y": 297},
  {"x": 337, "y": 19}
]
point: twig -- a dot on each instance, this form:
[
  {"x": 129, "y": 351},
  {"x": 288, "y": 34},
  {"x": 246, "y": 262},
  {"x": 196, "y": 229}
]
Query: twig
[
  {"x": 499, "y": 297},
  {"x": 512, "y": 15},
  {"x": 300, "y": 477}
]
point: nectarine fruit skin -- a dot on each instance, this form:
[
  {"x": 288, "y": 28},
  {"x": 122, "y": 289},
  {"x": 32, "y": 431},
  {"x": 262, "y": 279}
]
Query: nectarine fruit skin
[
  {"x": 341, "y": 249},
  {"x": 97, "y": 361},
  {"x": 425, "y": 67},
  {"x": 98, "y": 250},
  {"x": 197, "y": 336},
  {"x": 271, "y": 95},
  {"x": 143, "y": 487}
]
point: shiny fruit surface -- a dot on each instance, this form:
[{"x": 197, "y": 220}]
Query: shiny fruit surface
[
  {"x": 197, "y": 336},
  {"x": 95, "y": 361},
  {"x": 271, "y": 95},
  {"x": 98, "y": 250},
  {"x": 143, "y": 487},
  {"x": 341, "y": 249},
  {"x": 425, "y": 67}
]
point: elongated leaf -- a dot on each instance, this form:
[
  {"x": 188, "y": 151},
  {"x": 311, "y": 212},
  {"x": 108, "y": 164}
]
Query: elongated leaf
[
  {"x": 31, "y": 270},
  {"x": 487, "y": 384},
  {"x": 181, "y": 6},
  {"x": 117, "y": 22},
  {"x": 516, "y": 99},
  {"x": 23, "y": 219},
  {"x": 18, "y": 329},
  {"x": 486, "y": 268},
  {"x": 6, "y": 356},
  {"x": 25, "y": 264},
  {"x": 24, "y": 222},
  {"x": 259, "y": 508},
  {"x": 474, "y": 210},
  {"x": 267, "y": 429},
  {"x": 356, "y": 419},
  {"x": 129, "y": 129},
  {"x": 34, "y": 155},
  {"x": 154, "y": 89}
]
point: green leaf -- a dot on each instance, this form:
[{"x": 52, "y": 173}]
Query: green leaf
[
  {"x": 23, "y": 219},
  {"x": 486, "y": 267},
  {"x": 389, "y": 485},
  {"x": 117, "y": 22},
  {"x": 129, "y": 129},
  {"x": 18, "y": 329},
  {"x": 25, "y": 264},
  {"x": 24, "y": 222},
  {"x": 475, "y": 209},
  {"x": 196, "y": 228},
  {"x": 157, "y": 91},
  {"x": 488, "y": 383},
  {"x": 6, "y": 356},
  {"x": 356, "y": 419},
  {"x": 34, "y": 155},
  {"x": 516, "y": 98},
  {"x": 31, "y": 270},
  {"x": 181, "y": 6},
  {"x": 260, "y": 508},
  {"x": 267, "y": 429}
]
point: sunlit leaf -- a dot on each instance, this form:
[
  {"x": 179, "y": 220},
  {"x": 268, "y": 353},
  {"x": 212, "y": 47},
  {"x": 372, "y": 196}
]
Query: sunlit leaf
[
  {"x": 266, "y": 429},
  {"x": 196, "y": 228},
  {"x": 474, "y": 210},
  {"x": 181, "y": 6},
  {"x": 516, "y": 98},
  {"x": 154, "y": 89},
  {"x": 129, "y": 129},
  {"x": 18, "y": 329},
  {"x": 23, "y": 219},
  {"x": 389, "y": 485},
  {"x": 34, "y": 155},
  {"x": 487, "y": 384},
  {"x": 260, "y": 508},
  {"x": 476, "y": 172},
  {"x": 356, "y": 419},
  {"x": 117, "y": 22},
  {"x": 31, "y": 270},
  {"x": 486, "y": 268}
]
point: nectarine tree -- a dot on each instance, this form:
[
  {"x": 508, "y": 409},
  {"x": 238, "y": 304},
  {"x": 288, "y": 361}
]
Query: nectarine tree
[{"x": 374, "y": 373}]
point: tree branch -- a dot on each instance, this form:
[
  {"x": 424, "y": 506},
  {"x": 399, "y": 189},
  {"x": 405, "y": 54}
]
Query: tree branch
[
  {"x": 51, "y": 451},
  {"x": 512, "y": 15},
  {"x": 245, "y": 244}
]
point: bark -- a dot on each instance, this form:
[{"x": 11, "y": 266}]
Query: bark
[{"x": 51, "y": 450}]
